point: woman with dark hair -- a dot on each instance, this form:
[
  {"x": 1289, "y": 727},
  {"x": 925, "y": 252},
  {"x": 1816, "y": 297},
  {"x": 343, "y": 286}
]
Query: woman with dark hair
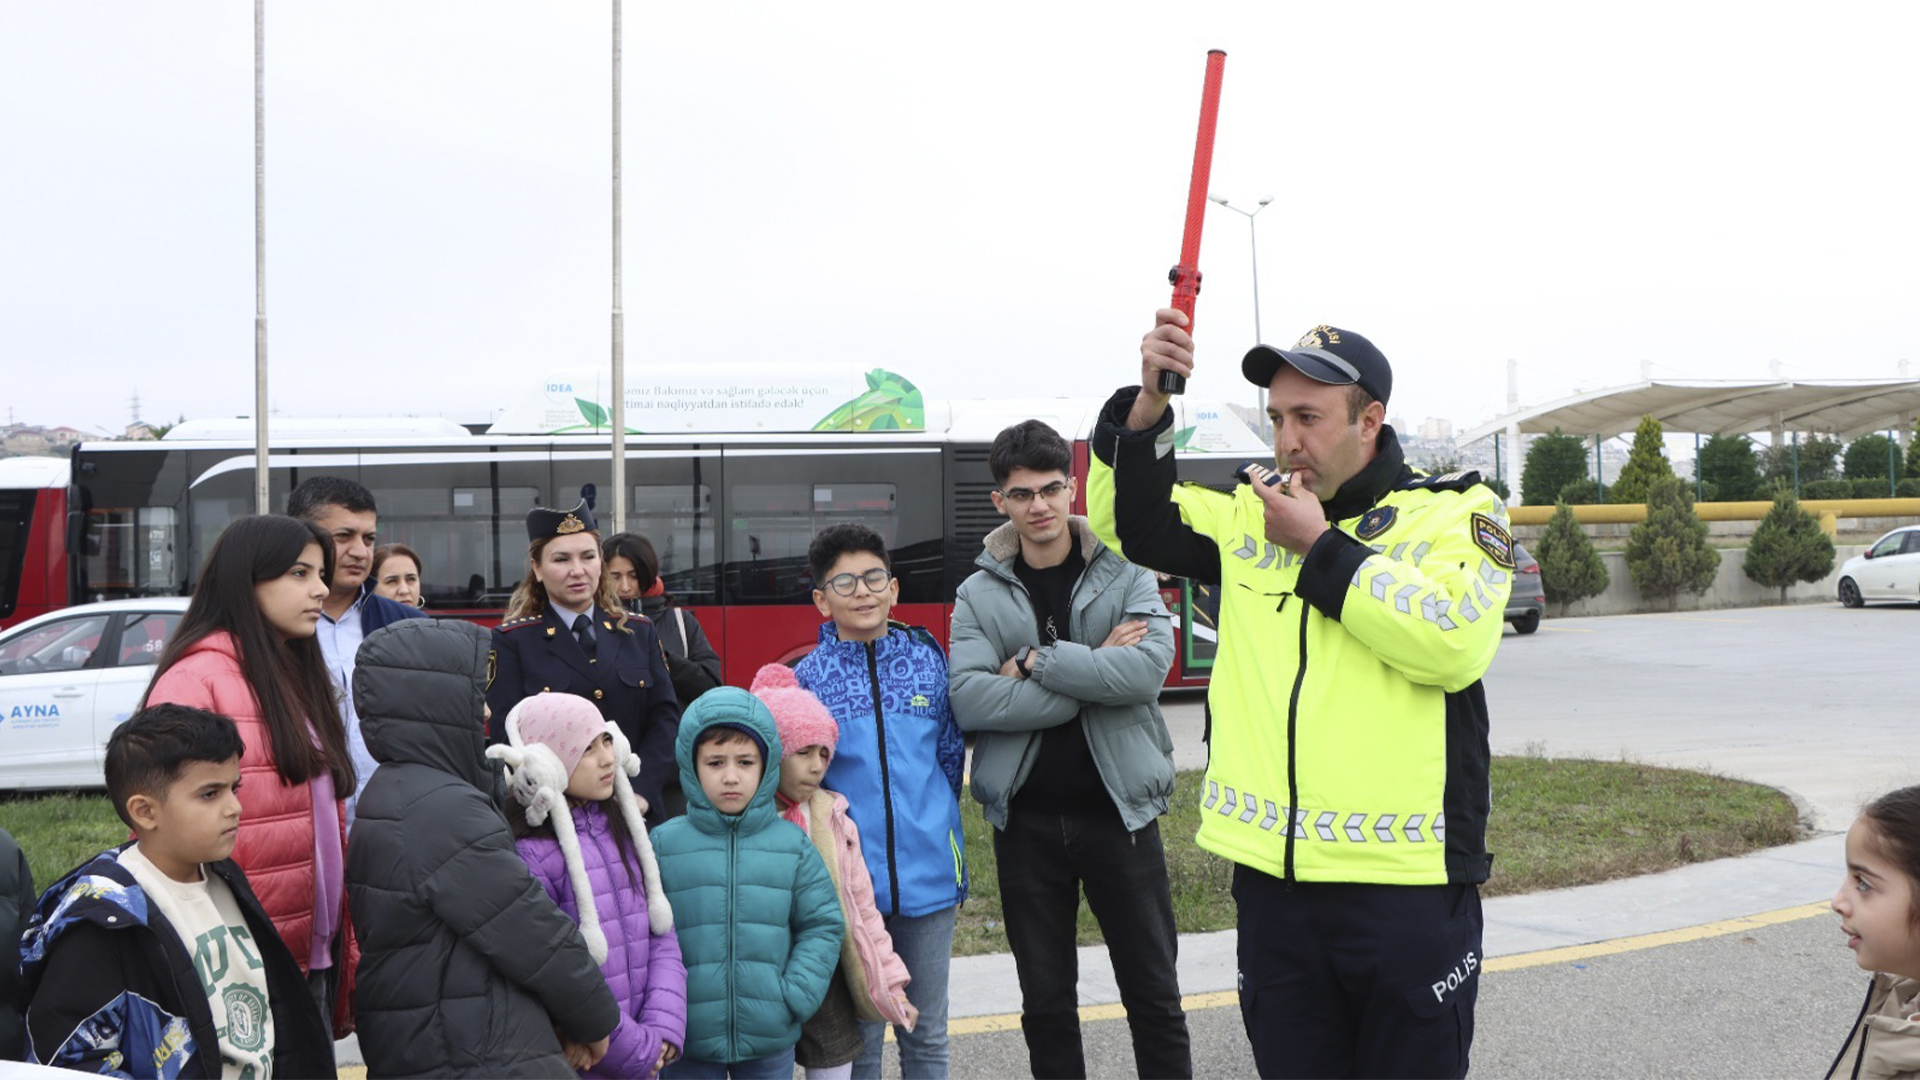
[
  {"x": 635, "y": 570},
  {"x": 246, "y": 649},
  {"x": 565, "y": 632},
  {"x": 395, "y": 574}
]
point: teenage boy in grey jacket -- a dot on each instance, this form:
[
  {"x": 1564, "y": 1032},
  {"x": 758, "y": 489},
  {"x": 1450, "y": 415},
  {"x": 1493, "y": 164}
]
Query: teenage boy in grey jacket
[{"x": 1059, "y": 649}]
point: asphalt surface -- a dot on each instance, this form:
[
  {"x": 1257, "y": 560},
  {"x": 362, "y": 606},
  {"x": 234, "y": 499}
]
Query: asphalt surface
[{"x": 1654, "y": 976}]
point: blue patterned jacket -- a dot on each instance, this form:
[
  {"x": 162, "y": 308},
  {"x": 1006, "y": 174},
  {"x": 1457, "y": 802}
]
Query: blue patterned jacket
[
  {"x": 898, "y": 762},
  {"x": 104, "y": 973}
]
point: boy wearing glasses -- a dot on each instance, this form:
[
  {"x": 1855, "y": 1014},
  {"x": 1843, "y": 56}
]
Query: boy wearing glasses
[
  {"x": 1059, "y": 651},
  {"x": 898, "y": 763}
]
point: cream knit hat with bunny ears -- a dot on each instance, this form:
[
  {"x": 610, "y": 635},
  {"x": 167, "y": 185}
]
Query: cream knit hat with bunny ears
[{"x": 536, "y": 777}]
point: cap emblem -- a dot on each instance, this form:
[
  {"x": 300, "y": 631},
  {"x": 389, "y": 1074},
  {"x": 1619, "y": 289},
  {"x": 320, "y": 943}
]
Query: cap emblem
[
  {"x": 1319, "y": 338},
  {"x": 570, "y": 524}
]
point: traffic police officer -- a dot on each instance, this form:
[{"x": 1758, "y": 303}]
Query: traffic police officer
[
  {"x": 565, "y": 632},
  {"x": 1361, "y": 603}
]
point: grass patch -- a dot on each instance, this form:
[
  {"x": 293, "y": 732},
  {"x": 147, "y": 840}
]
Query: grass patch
[
  {"x": 59, "y": 832},
  {"x": 1555, "y": 823}
]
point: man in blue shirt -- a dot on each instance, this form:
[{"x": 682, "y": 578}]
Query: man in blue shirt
[{"x": 345, "y": 511}]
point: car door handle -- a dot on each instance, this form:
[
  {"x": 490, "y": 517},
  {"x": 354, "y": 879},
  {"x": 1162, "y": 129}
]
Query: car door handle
[{"x": 67, "y": 691}]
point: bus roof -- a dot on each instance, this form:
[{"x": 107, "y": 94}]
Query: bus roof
[{"x": 34, "y": 472}]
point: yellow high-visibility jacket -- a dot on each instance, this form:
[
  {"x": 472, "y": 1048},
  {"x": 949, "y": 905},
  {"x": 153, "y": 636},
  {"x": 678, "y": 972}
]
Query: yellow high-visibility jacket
[{"x": 1349, "y": 724}]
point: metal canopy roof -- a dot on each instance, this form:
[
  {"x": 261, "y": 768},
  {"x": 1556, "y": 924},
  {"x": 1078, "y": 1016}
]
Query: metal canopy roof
[{"x": 1846, "y": 407}]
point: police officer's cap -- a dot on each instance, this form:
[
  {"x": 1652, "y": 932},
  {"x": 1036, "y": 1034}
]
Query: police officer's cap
[
  {"x": 1326, "y": 354},
  {"x": 543, "y": 523}
]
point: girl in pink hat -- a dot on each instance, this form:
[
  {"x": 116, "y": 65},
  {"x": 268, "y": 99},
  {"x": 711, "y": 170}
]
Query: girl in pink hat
[
  {"x": 871, "y": 982},
  {"x": 580, "y": 831}
]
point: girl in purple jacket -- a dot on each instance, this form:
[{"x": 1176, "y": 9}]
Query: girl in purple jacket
[{"x": 580, "y": 832}]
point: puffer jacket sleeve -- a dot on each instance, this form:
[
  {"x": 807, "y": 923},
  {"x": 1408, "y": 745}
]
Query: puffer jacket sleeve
[
  {"x": 1126, "y": 675},
  {"x": 887, "y": 974},
  {"x": 83, "y": 980},
  {"x": 817, "y": 930},
  {"x": 484, "y": 893},
  {"x": 660, "y": 1018},
  {"x": 983, "y": 699}
]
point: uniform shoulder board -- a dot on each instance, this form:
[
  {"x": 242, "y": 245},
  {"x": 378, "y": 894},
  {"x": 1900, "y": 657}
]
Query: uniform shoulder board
[
  {"x": 1453, "y": 481},
  {"x": 524, "y": 620}
]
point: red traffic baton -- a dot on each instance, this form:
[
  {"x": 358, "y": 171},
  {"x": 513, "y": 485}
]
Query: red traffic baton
[{"x": 1185, "y": 277}]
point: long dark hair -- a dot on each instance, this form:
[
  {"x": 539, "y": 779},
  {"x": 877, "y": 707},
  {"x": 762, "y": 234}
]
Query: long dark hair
[
  {"x": 288, "y": 678},
  {"x": 637, "y": 550},
  {"x": 530, "y": 596},
  {"x": 616, "y": 824},
  {"x": 1895, "y": 818}
]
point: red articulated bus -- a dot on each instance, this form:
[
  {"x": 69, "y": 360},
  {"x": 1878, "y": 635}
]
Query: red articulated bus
[{"x": 730, "y": 514}]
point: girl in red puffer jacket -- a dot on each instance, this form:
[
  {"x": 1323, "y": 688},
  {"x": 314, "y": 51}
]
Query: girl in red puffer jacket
[{"x": 246, "y": 649}]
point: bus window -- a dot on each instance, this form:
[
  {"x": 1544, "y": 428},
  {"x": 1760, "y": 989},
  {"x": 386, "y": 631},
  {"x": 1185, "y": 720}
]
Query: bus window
[
  {"x": 16, "y": 524},
  {"x": 677, "y": 519},
  {"x": 130, "y": 552}
]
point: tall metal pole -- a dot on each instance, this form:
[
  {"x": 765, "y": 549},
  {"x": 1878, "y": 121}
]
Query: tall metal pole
[
  {"x": 261, "y": 496},
  {"x": 1253, "y": 244},
  {"x": 619, "y": 411}
]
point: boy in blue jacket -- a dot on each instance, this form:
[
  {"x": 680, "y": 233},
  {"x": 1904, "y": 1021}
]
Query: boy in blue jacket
[
  {"x": 899, "y": 764},
  {"x": 758, "y": 917}
]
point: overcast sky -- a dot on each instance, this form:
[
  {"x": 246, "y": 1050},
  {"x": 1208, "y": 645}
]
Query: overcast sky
[{"x": 984, "y": 198}]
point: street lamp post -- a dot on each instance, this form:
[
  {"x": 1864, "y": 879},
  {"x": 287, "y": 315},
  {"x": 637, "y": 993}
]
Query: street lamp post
[{"x": 1253, "y": 245}]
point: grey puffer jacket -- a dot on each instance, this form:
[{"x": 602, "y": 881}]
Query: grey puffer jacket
[
  {"x": 466, "y": 966},
  {"x": 1115, "y": 691}
]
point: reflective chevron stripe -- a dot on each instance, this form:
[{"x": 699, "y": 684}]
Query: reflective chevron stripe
[{"x": 1327, "y": 826}]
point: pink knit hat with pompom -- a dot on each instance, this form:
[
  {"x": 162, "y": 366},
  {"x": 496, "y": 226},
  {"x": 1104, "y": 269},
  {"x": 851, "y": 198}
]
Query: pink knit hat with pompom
[{"x": 803, "y": 721}]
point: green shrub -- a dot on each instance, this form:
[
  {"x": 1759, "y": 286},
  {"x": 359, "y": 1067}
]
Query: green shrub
[
  {"x": 1553, "y": 462},
  {"x": 1908, "y": 488},
  {"x": 1709, "y": 492},
  {"x": 1581, "y": 492},
  {"x": 1728, "y": 465},
  {"x": 1827, "y": 489},
  {"x": 1871, "y": 456},
  {"x": 1870, "y": 487},
  {"x": 1570, "y": 568},
  {"x": 1788, "y": 546},
  {"x": 1646, "y": 462},
  {"x": 1668, "y": 552}
]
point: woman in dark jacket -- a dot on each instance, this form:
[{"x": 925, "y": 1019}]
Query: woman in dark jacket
[
  {"x": 635, "y": 569},
  {"x": 466, "y": 967}
]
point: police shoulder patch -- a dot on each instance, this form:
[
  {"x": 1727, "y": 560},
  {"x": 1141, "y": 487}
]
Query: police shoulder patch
[
  {"x": 1489, "y": 537},
  {"x": 524, "y": 620},
  {"x": 1453, "y": 481},
  {"x": 1376, "y": 521}
]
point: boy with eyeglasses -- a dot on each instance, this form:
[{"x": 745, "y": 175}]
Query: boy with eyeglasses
[{"x": 898, "y": 763}]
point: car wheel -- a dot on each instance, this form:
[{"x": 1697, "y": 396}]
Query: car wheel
[
  {"x": 1528, "y": 623},
  {"x": 1850, "y": 593}
]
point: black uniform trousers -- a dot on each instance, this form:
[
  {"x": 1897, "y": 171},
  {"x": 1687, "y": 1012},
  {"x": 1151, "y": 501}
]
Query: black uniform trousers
[{"x": 1340, "y": 979}]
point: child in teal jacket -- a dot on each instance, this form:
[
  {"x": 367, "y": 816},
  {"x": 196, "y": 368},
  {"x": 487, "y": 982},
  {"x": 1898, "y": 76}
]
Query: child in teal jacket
[{"x": 758, "y": 918}]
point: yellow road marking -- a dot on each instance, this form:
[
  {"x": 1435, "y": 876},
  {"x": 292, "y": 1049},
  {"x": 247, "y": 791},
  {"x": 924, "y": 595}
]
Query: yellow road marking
[{"x": 1220, "y": 999}]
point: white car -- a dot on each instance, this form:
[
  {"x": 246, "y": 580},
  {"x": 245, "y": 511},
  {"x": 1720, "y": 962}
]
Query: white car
[
  {"x": 67, "y": 679},
  {"x": 1889, "y": 570}
]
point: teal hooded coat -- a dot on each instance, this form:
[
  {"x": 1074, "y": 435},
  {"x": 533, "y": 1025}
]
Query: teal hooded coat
[{"x": 758, "y": 918}]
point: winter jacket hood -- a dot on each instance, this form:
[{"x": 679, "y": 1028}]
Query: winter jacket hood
[
  {"x": 418, "y": 689},
  {"x": 735, "y": 707},
  {"x": 1885, "y": 1043},
  {"x": 1115, "y": 692},
  {"x": 468, "y": 968}
]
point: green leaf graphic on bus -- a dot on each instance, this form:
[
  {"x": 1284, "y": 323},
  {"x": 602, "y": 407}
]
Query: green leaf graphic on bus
[
  {"x": 891, "y": 403},
  {"x": 596, "y": 416},
  {"x": 1184, "y": 436}
]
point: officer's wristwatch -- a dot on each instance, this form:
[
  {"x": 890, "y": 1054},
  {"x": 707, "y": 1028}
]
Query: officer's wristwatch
[{"x": 1024, "y": 661}]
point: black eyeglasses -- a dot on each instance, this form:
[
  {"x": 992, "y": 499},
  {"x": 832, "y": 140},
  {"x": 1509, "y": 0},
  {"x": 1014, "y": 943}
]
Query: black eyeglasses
[
  {"x": 1023, "y": 496},
  {"x": 875, "y": 578}
]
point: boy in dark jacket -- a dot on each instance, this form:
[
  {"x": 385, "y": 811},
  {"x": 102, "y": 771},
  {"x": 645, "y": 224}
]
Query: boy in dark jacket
[
  {"x": 758, "y": 917},
  {"x": 155, "y": 958},
  {"x": 898, "y": 764},
  {"x": 466, "y": 967}
]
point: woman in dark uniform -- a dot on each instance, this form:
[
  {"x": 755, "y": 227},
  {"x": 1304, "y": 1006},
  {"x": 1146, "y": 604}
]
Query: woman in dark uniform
[{"x": 565, "y": 632}]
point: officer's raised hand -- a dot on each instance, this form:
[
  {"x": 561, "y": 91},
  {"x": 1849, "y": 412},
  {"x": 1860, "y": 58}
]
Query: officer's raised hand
[
  {"x": 1167, "y": 347},
  {"x": 1294, "y": 516}
]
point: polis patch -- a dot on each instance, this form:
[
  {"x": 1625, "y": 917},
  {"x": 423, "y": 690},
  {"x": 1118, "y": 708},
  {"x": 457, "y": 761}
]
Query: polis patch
[
  {"x": 1376, "y": 521},
  {"x": 1493, "y": 540}
]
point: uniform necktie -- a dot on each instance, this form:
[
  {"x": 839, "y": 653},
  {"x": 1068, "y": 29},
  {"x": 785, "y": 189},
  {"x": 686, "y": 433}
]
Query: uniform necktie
[{"x": 583, "y": 630}]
